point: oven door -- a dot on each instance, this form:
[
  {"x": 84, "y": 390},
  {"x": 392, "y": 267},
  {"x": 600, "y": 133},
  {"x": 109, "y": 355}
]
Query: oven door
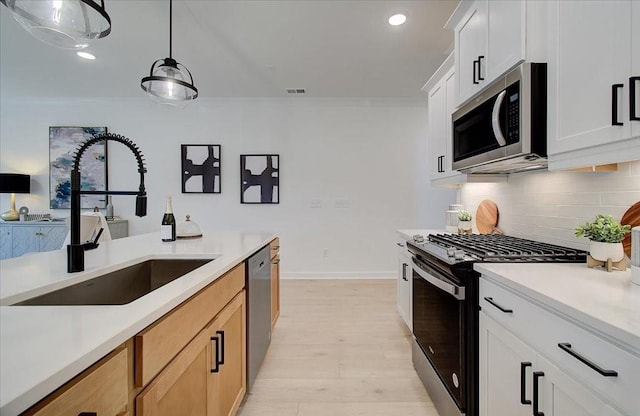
[{"x": 439, "y": 325}]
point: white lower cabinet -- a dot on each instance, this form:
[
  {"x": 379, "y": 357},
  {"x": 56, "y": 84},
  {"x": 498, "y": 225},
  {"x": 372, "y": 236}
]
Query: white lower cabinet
[
  {"x": 533, "y": 361},
  {"x": 404, "y": 289}
]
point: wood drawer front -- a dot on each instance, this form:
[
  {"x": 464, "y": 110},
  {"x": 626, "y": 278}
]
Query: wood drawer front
[
  {"x": 275, "y": 247},
  {"x": 160, "y": 342},
  {"x": 544, "y": 330},
  {"x": 101, "y": 389}
]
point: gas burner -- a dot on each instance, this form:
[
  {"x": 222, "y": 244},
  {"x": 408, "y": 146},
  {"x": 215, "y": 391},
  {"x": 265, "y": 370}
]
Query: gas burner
[{"x": 502, "y": 248}]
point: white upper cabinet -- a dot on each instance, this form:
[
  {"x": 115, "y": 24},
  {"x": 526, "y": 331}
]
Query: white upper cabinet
[
  {"x": 489, "y": 40},
  {"x": 441, "y": 105},
  {"x": 594, "y": 53}
]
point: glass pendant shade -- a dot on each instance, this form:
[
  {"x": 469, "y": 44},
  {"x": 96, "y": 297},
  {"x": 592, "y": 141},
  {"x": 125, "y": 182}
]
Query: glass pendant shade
[
  {"x": 169, "y": 82},
  {"x": 68, "y": 24}
]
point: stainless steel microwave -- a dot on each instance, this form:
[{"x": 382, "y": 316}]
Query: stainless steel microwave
[{"x": 504, "y": 129}]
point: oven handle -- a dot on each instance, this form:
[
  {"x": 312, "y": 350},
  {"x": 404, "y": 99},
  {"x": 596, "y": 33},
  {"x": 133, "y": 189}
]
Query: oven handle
[
  {"x": 495, "y": 121},
  {"x": 454, "y": 290}
]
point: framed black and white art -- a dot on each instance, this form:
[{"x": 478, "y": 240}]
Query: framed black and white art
[
  {"x": 201, "y": 168},
  {"x": 259, "y": 179}
]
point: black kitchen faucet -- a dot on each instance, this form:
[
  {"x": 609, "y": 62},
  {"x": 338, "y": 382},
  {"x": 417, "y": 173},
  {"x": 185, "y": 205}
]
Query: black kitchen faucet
[{"x": 75, "y": 250}]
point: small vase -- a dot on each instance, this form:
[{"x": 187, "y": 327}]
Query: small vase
[
  {"x": 603, "y": 251},
  {"x": 109, "y": 210}
]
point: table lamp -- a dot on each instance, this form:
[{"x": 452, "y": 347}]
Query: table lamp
[{"x": 13, "y": 183}]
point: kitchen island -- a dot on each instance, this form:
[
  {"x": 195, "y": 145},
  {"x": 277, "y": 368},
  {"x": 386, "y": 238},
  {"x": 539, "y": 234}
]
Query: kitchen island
[{"x": 43, "y": 347}]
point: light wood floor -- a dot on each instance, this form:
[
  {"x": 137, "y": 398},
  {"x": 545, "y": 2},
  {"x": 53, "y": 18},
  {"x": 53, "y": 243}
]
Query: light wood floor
[{"x": 340, "y": 348}]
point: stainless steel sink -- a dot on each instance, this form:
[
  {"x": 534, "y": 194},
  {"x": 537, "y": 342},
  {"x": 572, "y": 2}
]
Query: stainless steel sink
[{"x": 121, "y": 286}]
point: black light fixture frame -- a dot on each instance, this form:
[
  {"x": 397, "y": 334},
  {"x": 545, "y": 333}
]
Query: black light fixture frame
[
  {"x": 98, "y": 8},
  {"x": 170, "y": 62}
]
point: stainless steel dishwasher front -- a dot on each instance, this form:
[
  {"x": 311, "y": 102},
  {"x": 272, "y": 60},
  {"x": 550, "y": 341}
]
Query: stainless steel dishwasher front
[{"x": 259, "y": 311}]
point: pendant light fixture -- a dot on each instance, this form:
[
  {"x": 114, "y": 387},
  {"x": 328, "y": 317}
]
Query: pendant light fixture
[
  {"x": 68, "y": 24},
  {"x": 170, "y": 82}
]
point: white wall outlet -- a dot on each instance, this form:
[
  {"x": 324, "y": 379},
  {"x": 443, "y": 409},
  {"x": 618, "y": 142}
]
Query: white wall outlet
[
  {"x": 316, "y": 203},
  {"x": 325, "y": 253},
  {"x": 342, "y": 203}
]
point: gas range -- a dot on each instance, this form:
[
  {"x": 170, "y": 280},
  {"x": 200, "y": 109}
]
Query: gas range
[{"x": 496, "y": 248}]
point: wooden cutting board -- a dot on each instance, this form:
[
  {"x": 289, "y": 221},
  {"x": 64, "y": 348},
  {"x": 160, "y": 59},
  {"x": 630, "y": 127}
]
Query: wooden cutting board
[
  {"x": 631, "y": 217},
  {"x": 487, "y": 217}
]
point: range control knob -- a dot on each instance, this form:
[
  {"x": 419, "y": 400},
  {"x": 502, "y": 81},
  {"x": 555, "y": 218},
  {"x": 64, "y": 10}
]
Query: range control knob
[{"x": 458, "y": 254}]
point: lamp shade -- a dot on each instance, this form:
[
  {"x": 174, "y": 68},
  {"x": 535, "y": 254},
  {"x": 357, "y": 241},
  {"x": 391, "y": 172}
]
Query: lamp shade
[
  {"x": 15, "y": 183},
  {"x": 68, "y": 24}
]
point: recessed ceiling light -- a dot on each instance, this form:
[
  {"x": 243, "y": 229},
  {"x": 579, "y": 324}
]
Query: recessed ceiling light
[
  {"x": 86, "y": 55},
  {"x": 397, "y": 19}
]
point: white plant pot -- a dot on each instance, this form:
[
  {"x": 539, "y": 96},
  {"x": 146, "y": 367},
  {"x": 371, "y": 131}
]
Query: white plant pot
[
  {"x": 603, "y": 251},
  {"x": 464, "y": 225}
]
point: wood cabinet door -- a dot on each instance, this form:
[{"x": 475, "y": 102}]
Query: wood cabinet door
[
  {"x": 275, "y": 290},
  {"x": 591, "y": 52},
  {"x": 228, "y": 383},
  {"x": 504, "y": 358},
  {"x": 182, "y": 388}
]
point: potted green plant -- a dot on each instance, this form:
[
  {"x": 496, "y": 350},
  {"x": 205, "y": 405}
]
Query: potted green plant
[
  {"x": 606, "y": 235},
  {"x": 464, "y": 221}
]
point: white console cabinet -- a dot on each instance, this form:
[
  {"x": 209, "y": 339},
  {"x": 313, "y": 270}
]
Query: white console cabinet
[
  {"x": 18, "y": 238},
  {"x": 534, "y": 361}
]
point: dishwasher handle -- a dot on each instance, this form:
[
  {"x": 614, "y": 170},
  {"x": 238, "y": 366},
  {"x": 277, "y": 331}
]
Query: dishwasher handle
[{"x": 431, "y": 277}]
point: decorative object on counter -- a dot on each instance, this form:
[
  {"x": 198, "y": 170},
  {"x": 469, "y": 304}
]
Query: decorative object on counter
[
  {"x": 201, "y": 168},
  {"x": 109, "y": 210},
  {"x": 630, "y": 217},
  {"x": 23, "y": 212},
  {"x": 464, "y": 222},
  {"x": 14, "y": 183},
  {"x": 170, "y": 82},
  {"x": 487, "y": 217},
  {"x": 452, "y": 217},
  {"x": 63, "y": 143},
  {"x": 259, "y": 179},
  {"x": 168, "y": 227},
  {"x": 606, "y": 235},
  {"x": 635, "y": 255},
  {"x": 75, "y": 250},
  {"x": 188, "y": 229},
  {"x": 67, "y": 24}
]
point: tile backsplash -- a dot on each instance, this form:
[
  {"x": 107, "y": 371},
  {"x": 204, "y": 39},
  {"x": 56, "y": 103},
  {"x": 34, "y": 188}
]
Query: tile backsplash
[{"x": 547, "y": 206}]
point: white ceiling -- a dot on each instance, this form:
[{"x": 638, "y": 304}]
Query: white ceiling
[{"x": 332, "y": 48}]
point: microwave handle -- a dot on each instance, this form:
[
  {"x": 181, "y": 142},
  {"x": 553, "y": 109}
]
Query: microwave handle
[{"x": 495, "y": 122}]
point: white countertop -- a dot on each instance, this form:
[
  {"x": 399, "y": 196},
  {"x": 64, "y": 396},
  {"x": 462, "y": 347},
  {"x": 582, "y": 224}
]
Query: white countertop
[
  {"x": 607, "y": 303},
  {"x": 408, "y": 234},
  {"x": 42, "y": 347}
]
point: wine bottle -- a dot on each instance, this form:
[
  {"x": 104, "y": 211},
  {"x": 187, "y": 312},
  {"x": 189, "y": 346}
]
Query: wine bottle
[{"x": 168, "y": 227}]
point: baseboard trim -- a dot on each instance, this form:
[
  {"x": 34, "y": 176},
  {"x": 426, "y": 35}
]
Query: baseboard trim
[{"x": 338, "y": 275}]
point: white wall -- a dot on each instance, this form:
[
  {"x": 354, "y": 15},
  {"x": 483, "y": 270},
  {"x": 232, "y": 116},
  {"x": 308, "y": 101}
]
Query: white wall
[
  {"x": 369, "y": 152},
  {"x": 547, "y": 206}
]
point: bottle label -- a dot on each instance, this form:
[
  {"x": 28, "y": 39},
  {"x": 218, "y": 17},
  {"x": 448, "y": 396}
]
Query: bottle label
[{"x": 166, "y": 232}]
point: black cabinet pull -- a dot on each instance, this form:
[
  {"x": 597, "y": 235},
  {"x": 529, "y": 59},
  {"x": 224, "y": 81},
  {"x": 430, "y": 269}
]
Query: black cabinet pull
[
  {"x": 566, "y": 347},
  {"x": 480, "y": 58},
  {"x": 221, "y": 333},
  {"x": 632, "y": 98},
  {"x": 442, "y": 164},
  {"x": 87, "y": 414},
  {"x": 474, "y": 72},
  {"x": 536, "y": 376},
  {"x": 614, "y": 105},
  {"x": 216, "y": 363},
  {"x": 490, "y": 300},
  {"x": 400, "y": 244},
  {"x": 523, "y": 382},
  {"x": 404, "y": 272}
]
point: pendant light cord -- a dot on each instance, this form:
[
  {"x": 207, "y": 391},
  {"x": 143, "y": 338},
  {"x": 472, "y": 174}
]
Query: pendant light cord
[{"x": 170, "y": 28}]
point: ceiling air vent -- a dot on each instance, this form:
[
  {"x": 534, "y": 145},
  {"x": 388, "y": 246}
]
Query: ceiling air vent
[{"x": 296, "y": 91}]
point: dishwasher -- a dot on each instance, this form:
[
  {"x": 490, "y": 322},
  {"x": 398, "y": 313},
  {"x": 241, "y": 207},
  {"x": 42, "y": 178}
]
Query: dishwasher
[{"x": 258, "y": 311}]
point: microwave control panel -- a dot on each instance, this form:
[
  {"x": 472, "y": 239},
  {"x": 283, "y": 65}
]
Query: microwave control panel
[{"x": 513, "y": 113}]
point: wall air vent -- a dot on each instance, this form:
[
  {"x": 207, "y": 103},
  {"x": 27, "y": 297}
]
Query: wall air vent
[{"x": 296, "y": 91}]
